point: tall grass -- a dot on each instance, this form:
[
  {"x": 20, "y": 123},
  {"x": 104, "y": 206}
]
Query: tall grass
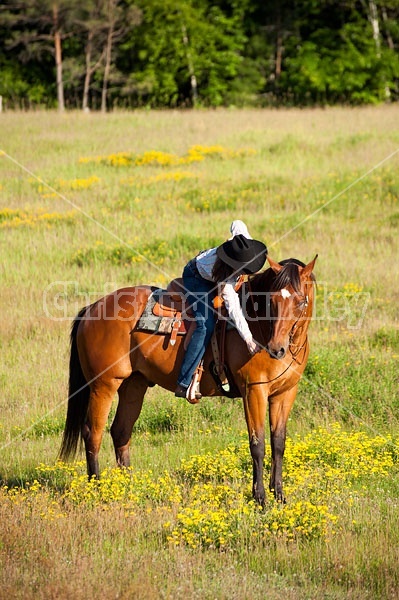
[{"x": 71, "y": 230}]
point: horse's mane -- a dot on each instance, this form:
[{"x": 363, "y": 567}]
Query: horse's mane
[
  {"x": 269, "y": 281},
  {"x": 289, "y": 275},
  {"x": 272, "y": 282}
]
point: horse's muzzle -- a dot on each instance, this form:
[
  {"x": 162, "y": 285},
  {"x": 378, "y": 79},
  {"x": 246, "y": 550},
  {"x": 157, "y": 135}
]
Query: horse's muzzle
[{"x": 277, "y": 353}]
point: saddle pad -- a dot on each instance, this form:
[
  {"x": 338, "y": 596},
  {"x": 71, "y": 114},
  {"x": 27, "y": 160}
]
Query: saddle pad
[{"x": 158, "y": 324}]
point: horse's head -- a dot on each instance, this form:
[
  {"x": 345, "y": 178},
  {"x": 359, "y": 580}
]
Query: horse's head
[{"x": 291, "y": 304}]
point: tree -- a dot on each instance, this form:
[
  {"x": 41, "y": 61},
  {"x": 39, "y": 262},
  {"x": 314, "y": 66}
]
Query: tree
[
  {"x": 191, "y": 71},
  {"x": 198, "y": 52},
  {"x": 119, "y": 20},
  {"x": 176, "y": 40},
  {"x": 331, "y": 56},
  {"x": 92, "y": 24},
  {"x": 38, "y": 27},
  {"x": 57, "y": 32}
]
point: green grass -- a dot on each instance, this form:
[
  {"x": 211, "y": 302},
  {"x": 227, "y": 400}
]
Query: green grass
[{"x": 98, "y": 227}]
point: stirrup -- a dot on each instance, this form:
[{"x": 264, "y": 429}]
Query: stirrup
[
  {"x": 188, "y": 394},
  {"x": 193, "y": 395}
]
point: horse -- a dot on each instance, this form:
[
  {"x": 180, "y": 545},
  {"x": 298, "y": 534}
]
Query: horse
[{"x": 110, "y": 355}]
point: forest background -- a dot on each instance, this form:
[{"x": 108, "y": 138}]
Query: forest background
[{"x": 104, "y": 54}]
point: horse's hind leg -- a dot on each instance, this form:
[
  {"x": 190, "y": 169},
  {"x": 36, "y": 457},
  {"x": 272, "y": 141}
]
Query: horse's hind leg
[
  {"x": 131, "y": 396},
  {"x": 101, "y": 395}
]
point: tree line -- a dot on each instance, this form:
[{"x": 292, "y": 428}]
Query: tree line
[{"x": 103, "y": 54}]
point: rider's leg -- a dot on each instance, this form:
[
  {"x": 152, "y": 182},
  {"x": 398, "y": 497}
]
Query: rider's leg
[{"x": 201, "y": 294}]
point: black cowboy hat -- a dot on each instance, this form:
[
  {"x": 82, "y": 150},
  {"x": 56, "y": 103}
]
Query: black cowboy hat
[{"x": 243, "y": 254}]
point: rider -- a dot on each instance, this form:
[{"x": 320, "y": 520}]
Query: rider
[{"x": 241, "y": 254}]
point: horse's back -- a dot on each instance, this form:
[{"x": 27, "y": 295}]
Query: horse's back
[
  {"x": 124, "y": 304},
  {"x": 103, "y": 336}
]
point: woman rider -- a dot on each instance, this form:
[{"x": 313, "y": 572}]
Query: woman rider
[{"x": 203, "y": 277}]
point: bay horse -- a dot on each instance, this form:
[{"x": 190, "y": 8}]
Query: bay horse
[{"x": 109, "y": 355}]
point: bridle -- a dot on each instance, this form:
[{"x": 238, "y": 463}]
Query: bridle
[
  {"x": 291, "y": 335},
  {"x": 293, "y": 329}
]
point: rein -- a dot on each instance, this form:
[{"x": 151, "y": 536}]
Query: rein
[{"x": 304, "y": 345}]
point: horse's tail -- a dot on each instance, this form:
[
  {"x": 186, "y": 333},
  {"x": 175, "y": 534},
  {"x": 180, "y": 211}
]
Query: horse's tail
[{"x": 78, "y": 398}]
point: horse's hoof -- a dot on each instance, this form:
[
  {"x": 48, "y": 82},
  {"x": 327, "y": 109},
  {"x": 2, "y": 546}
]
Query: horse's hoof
[
  {"x": 280, "y": 498},
  {"x": 259, "y": 499},
  {"x": 278, "y": 494}
]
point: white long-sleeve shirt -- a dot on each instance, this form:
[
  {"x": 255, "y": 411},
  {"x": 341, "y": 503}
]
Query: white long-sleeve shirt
[{"x": 205, "y": 263}]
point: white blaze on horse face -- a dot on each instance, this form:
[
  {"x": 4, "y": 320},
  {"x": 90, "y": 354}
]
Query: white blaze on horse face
[{"x": 285, "y": 293}]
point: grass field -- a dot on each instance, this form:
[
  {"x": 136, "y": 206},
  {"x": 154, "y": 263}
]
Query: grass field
[{"x": 89, "y": 203}]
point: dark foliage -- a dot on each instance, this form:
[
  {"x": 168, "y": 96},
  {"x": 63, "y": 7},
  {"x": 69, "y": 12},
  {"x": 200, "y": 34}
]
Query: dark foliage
[{"x": 168, "y": 53}]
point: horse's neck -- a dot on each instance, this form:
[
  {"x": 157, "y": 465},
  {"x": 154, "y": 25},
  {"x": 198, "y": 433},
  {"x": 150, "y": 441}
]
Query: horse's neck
[
  {"x": 254, "y": 303},
  {"x": 256, "y": 293},
  {"x": 262, "y": 282}
]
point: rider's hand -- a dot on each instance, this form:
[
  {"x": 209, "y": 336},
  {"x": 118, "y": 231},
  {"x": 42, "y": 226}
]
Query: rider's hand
[{"x": 253, "y": 347}]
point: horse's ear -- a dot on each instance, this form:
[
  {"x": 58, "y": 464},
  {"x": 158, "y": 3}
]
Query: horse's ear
[
  {"x": 274, "y": 265},
  {"x": 309, "y": 267}
]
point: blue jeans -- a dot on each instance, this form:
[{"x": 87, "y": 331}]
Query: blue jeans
[{"x": 200, "y": 294}]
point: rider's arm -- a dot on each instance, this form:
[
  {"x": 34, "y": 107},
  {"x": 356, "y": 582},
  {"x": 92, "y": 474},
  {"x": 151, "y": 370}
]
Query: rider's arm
[{"x": 232, "y": 303}]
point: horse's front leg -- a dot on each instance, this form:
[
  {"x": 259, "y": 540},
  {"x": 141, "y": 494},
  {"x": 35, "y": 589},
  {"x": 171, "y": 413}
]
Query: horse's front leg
[
  {"x": 279, "y": 410},
  {"x": 255, "y": 402}
]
